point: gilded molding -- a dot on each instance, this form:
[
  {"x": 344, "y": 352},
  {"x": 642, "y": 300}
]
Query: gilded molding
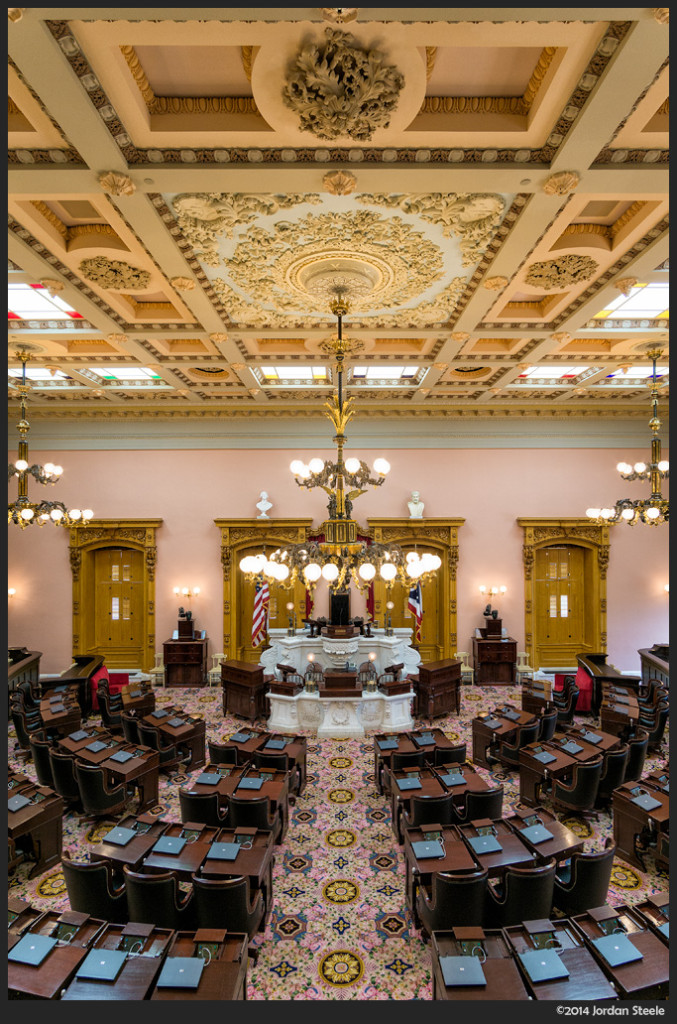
[
  {"x": 338, "y": 89},
  {"x": 117, "y": 184},
  {"x": 587, "y": 229},
  {"x": 114, "y": 274},
  {"x": 339, "y": 183},
  {"x": 138, "y": 74},
  {"x": 430, "y": 58},
  {"x": 489, "y": 104},
  {"x": 561, "y": 272},
  {"x": 50, "y": 217},
  {"x": 626, "y": 217},
  {"x": 248, "y": 53},
  {"x": 83, "y": 230},
  {"x": 561, "y": 184},
  {"x": 537, "y": 75}
]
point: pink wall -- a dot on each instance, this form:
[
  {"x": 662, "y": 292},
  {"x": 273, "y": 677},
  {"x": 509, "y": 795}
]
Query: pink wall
[{"x": 188, "y": 490}]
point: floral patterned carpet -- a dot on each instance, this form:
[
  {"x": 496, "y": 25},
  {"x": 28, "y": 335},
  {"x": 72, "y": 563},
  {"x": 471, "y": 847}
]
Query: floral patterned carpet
[{"x": 339, "y": 928}]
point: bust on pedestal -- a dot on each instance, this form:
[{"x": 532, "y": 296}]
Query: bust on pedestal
[{"x": 416, "y": 506}]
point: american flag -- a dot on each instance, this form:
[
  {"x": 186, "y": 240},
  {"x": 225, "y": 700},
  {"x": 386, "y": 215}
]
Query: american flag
[
  {"x": 415, "y": 606},
  {"x": 260, "y": 614}
]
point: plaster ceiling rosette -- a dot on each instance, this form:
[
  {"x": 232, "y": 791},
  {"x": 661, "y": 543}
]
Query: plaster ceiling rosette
[{"x": 404, "y": 260}]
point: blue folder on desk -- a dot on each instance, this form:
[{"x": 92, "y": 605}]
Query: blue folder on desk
[
  {"x": 491, "y": 723},
  {"x": 664, "y": 929},
  {"x": 423, "y": 850},
  {"x": 135, "y": 693},
  {"x": 591, "y": 737},
  {"x": 208, "y": 778},
  {"x": 388, "y": 744},
  {"x": 545, "y": 757},
  {"x": 512, "y": 715},
  {"x": 81, "y": 734},
  {"x": 621, "y": 699},
  {"x": 101, "y": 965},
  {"x": 408, "y": 783},
  {"x": 424, "y": 740},
  {"x": 119, "y": 836},
  {"x": 616, "y": 949},
  {"x": 56, "y": 700},
  {"x": 32, "y": 949},
  {"x": 60, "y": 689},
  {"x": 454, "y": 779},
  {"x": 646, "y": 802},
  {"x": 536, "y": 834},
  {"x": 15, "y": 803},
  {"x": 485, "y": 844},
  {"x": 181, "y": 972},
  {"x": 462, "y": 971},
  {"x": 543, "y": 965},
  {"x": 159, "y": 714},
  {"x": 223, "y": 851},
  {"x": 571, "y": 748},
  {"x": 120, "y": 756},
  {"x": 250, "y": 783},
  {"x": 241, "y": 737},
  {"x": 176, "y": 722},
  {"x": 96, "y": 746},
  {"x": 275, "y": 745},
  {"x": 56, "y": 709},
  {"x": 169, "y": 844}
]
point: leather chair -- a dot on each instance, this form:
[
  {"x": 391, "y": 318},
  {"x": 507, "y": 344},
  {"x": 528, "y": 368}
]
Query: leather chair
[
  {"x": 228, "y": 903},
  {"x": 222, "y": 753},
  {"x": 655, "y": 726},
  {"x": 525, "y": 895},
  {"x": 256, "y": 813},
  {"x": 565, "y": 711},
  {"x": 614, "y": 763},
  {"x": 40, "y": 748},
  {"x": 24, "y": 729},
  {"x": 455, "y": 900},
  {"x": 427, "y": 811},
  {"x": 157, "y": 899},
  {"x": 97, "y": 799},
  {"x": 63, "y": 775},
  {"x": 130, "y": 727},
  {"x": 29, "y": 696},
  {"x": 547, "y": 725},
  {"x": 202, "y": 807},
  {"x": 637, "y": 748},
  {"x": 413, "y": 759},
  {"x": 584, "y": 882},
  {"x": 649, "y": 696},
  {"x": 281, "y": 762},
  {"x": 450, "y": 755},
  {"x": 508, "y": 754},
  {"x": 488, "y": 804},
  {"x": 92, "y": 889},
  {"x": 111, "y": 709},
  {"x": 150, "y": 737},
  {"x": 580, "y": 794}
]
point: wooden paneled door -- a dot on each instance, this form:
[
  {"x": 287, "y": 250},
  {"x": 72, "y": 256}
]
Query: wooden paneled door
[
  {"x": 278, "y": 616},
  {"x": 118, "y": 605},
  {"x": 430, "y": 646},
  {"x": 562, "y": 604}
]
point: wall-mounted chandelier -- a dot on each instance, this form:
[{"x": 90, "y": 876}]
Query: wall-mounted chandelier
[
  {"x": 340, "y": 558},
  {"x": 24, "y": 512},
  {"x": 656, "y": 508}
]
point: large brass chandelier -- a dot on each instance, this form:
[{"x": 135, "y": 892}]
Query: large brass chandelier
[
  {"x": 24, "y": 512},
  {"x": 340, "y": 558},
  {"x": 652, "y": 510}
]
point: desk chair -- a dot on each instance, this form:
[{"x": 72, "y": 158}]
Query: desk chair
[
  {"x": 130, "y": 727},
  {"x": 157, "y": 899},
  {"x": 214, "y": 674},
  {"x": 455, "y": 900},
  {"x": 92, "y": 889},
  {"x": 467, "y": 673},
  {"x": 414, "y": 759},
  {"x": 157, "y": 672},
  {"x": 650, "y": 694},
  {"x": 24, "y": 730},
  {"x": 281, "y": 762},
  {"x": 580, "y": 794},
  {"x": 584, "y": 882},
  {"x": 427, "y": 811},
  {"x": 565, "y": 710},
  {"x": 97, "y": 798},
  {"x": 40, "y": 748},
  {"x": 448, "y": 755},
  {"x": 202, "y": 807},
  {"x": 547, "y": 725},
  {"x": 525, "y": 895},
  {"x": 228, "y": 903},
  {"x": 508, "y": 754},
  {"x": 28, "y": 695},
  {"x": 63, "y": 774},
  {"x": 222, "y": 753},
  {"x": 614, "y": 763},
  {"x": 523, "y": 670},
  {"x": 487, "y": 804},
  {"x": 150, "y": 736},
  {"x": 110, "y": 708},
  {"x": 637, "y": 748},
  {"x": 655, "y": 726},
  {"x": 256, "y": 813}
]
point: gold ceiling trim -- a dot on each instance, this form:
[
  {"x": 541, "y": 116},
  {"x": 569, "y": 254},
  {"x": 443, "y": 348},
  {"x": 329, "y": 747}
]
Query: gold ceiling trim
[
  {"x": 430, "y": 58},
  {"x": 626, "y": 217},
  {"x": 50, "y": 217}
]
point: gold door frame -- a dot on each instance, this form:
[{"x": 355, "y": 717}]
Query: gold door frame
[
  {"x": 137, "y": 534},
  {"x": 239, "y": 534},
  {"x": 440, "y": 537},
  {"x": 541, "y": 533}
]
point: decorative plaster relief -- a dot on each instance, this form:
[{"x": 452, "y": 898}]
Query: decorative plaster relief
[
  {"x": 114, "y": 274},
  {"x": 116, "y": 184},
  {"x": 562, "y": 272},
  {"x": 561, "y": 184},
  {"x": 339, "y": 183}
]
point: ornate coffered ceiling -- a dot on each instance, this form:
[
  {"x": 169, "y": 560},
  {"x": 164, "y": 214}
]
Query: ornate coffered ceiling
[{"x": 194, "y": 185}]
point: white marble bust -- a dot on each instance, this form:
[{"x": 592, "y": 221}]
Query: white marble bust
[
  {"x": 263, "y": 505},
  {"x": 416, "y": 506}
]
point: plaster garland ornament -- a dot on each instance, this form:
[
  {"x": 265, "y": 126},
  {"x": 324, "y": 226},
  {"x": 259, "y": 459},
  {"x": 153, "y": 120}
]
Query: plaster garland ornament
[
  {"x": 203, "y": 216},
  {"x": 495, "y": 284},
  {"x": 117, "y": 184},
  {"x": 561, "y": 184},
  {"x": 562, "y": 337},
  {"x": 218, "y": 336},
  {"x": 114, "y": 274},
  {"x": 562, "y": 272},
  {"x": 117, "y": 339},
  {"x": 17, "y": 13},
  {"x": 661, "y": 14},
  {"x": 459, "y": 336},
  {"x": 339, "y": 15},
  {"x": 339, "y": 183},
  {"x": 473, "y": 217},
  {"x": 625, "y": 285},
  {"x": 52, "y": 285},
  {"x": 339, "y": 89},
  {"x": 183, "y": 284}
]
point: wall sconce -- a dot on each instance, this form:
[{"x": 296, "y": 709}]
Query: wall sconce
[
  {"x": 11, "y": 592},
  {"x": 493, "y": 590},
  {"x": 186, "y": 591}
]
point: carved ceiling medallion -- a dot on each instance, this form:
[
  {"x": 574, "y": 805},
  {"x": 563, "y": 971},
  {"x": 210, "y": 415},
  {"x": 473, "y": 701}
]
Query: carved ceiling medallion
[
  {"x": 562, "y": 272},
  {"x": 114, "y": 274}
]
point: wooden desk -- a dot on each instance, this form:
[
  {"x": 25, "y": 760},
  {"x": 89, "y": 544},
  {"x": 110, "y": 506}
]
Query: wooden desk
[
  {"x": 533, "y": 772},
  {"x": 641, "y": 979},
  {"x": 224, "y": 977},
  {"x": 185, "y": 662},
  {"x": 655, "y": 663},
  {"x": 75, "y": 933},
  {"x": 483, "y": 735},
  {"x": 190, "y": 734},
  {"x": 494, "y": 660},
  {"x": 629, "y": 820},
  {"x": 504, "y": 981},
  {"x": 595, "y": 666},
  {"x": 406, "y": 745},
  {"x": 457, "y": 857},
  {"x": 607, "y": 741},
  {"x": 185, "y": 863},
  {"x": 431, "y": 786},
  {"x": 244, "y": 689},
  {"x": 340, "y": 683},
  {"x": 254, "y": 861},
  {"x": 81, "y": 671},
  {"x": 438, "y": 689},
  {"x": 275, "y": 786},
  {"x": 588, "y": 751},
  {"x": 148, "y": 829},
  {"x": 62, "y": 716},
  {"x": 39, "y": 824},
  {"x": 138, "y": 697},
  {"x": 513, "y": 851},
  {"x": 654, "y": 912},
  {"x": 146, "y": 947},
  {"x": 21, "y": 916},
  {"x": 585, "y": 982},
  {"x": 619, "y": 715},
  {"x": 564, "y": 842}
]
